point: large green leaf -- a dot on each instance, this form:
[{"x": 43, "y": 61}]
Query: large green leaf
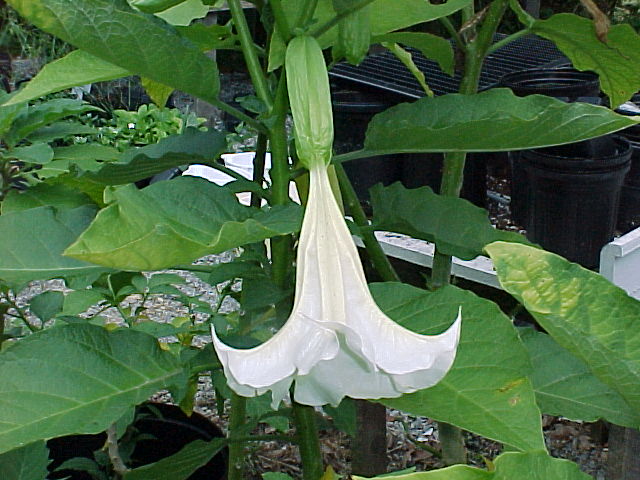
[
  {"x": 135, "y": 164},
  {"x": 181, "y": 465},
  {"x": 136, "y": 42},
  {"x": 487, "y": 391},
  {"x": 495, "y": 120},
  {"x": 78, "y": 379},
  {"x": 458, "y": 227},
  {"x": 176, "y": 222},
  {"x": 38, "y": 116},
  {"x": 617, "y": 61},
  {"x": 25, "y": 463},
  {"x": 508, "y": 466},
  {"x": 32, "y": 242},
  {"x": 41, "y": 195},
  {"x": 74, "y": 69},
  {"x": 565, "y": 387},
  {"x": 583, "y": 312}
]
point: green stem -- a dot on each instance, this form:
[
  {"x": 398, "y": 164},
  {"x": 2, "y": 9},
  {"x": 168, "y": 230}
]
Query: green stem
[
  {"x": 452, "y": 177},
  {"x": 239, "y": 114},
  {"x": 449, "y": 27},
  {"x": 258, "y": 167},
  {"x": 281, "y": 247},
  {"x": 254, "y": 66},
  {"x": 237, "y": 418},
  {"x": 309, "y": 444},
  {"x": 507, "y": 40},
  {"x": 113, "y": 451},
  {"x": 324, "y": 28},
  {"x": 379, "y": 259}
]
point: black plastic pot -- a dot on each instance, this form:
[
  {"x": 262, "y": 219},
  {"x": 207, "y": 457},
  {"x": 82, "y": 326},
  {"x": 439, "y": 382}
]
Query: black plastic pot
[
  {"x": 573, "y": 200},
  {"x": 425, "y": 169},
  {"x": 165, "y": 430},
  {"x": 563, "y": 83},
  {"x": 352, "y": 112},
  {"x": 629, "y": 211}
]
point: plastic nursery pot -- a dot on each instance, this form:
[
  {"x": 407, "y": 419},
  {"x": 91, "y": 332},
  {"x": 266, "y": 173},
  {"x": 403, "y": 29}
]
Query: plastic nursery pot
[
  {"x": 162, "y": 429},
  {"x": 573, "y": 197},
  {"x": 352, "y": 112},
  {"x": 563, "y": 83},
  {"x": 425, "y": 169},
  {"x": 629, "y": 210}
]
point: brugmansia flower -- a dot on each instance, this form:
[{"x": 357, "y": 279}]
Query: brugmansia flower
[{"x": 336, "y": 342}]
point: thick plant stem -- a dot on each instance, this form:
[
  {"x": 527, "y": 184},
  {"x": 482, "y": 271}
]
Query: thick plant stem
[
  {"x": 117, "y": 463},
  {"x": 237, "y": 419},
  {"x": 308, "y": 442},
  {"x": 452, "y": 177},
  {"x": 281, "y": 247},
  {"x": 378, "y": 258},
  {"x": 258, "y": 78}
]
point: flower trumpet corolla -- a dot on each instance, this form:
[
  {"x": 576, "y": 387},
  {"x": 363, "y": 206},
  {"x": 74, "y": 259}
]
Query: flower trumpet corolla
[{"x": 337, "y": 342}]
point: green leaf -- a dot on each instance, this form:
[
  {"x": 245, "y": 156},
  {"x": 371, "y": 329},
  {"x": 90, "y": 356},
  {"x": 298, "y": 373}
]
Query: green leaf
[
  {"x": 25, "y": 463},
  {"x": 181, "y": 465},
  {"x": 209, "y": 37},
  {"x": 158, "y": 92},
  {"x": 508, "y": 466},
  {"x": 38, "y": 116},
  {"x": 78, "y": 379},
  {"x": 458, "y": 227},
  {"x": 185, "y": 12},
  {"x": 46, "y": 305},
  {"x": 75, "y": 69},
  {"x": 79, "y": 301},
  {"x": 487, "y": 390},
  {"x": 276, "y": 476},
  {"x": 190, "y": 218},
  {"x": 407, "y": 60},
  {"x": 60, "y": 130},
  {"x": 136, "y": 42},
  {"x": 431, "y": 46},
  {"x": 586, "y": 314},
  {"x": 139, "y": 163},
  {"x": 41, "y": 195},
  {"x": 344, "y": 416},
  {"x": 38, "y": 154},
  {"x": 565, "y": 387},
  {"x": 617, "y": 61},
  {"x": 495, "y": 120},
  {"x": 32, "y": 242}
]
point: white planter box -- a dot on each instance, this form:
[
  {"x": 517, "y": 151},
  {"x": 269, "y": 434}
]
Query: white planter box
[{"x": 619, "y": 260}]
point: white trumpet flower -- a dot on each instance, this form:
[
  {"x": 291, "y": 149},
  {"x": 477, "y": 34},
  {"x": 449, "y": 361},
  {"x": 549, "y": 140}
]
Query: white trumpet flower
[{"x": 337, "y": 342}]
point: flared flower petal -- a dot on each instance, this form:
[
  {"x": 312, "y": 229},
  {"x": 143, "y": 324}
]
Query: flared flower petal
[{"x": 337, "y": 342}]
